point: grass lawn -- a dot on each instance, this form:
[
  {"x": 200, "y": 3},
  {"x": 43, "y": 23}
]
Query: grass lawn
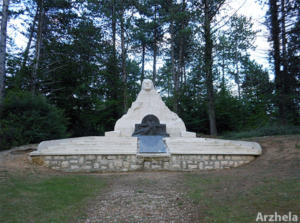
[
  {"x": 222, "y": 200},
  {"x": 37, "y": 198}
]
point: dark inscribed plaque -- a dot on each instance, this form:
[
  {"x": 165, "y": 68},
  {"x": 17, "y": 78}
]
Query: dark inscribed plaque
[{"x": 150, "y": 126}]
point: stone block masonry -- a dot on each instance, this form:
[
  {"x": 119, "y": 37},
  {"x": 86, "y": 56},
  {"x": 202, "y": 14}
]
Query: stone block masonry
[{"x": 123, "y": 163}]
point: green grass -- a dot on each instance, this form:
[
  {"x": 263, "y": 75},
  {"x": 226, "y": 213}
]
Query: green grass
[
  {"x": 270, "y": 130},
  {"x": 36, "y": 198},
  {"x": 220, "y": 203}
]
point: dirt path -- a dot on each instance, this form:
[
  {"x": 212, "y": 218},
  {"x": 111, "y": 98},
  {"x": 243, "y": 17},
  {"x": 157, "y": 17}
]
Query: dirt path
[{"x": 142, "y": 197}]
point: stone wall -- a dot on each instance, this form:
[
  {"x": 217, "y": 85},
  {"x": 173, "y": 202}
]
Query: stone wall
[{"x": 119, "y": 163}]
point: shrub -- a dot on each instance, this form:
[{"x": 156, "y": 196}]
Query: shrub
[
  {"x": 29, "y": 119},
  {"x": 268, "y": 130}
]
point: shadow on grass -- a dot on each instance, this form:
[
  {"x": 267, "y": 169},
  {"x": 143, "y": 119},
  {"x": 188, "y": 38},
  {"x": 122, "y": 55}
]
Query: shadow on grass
[{"x": 37, "y": 198}]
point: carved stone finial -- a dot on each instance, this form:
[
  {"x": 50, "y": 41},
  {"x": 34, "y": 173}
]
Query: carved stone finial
[{"x": 147, "y": 85}]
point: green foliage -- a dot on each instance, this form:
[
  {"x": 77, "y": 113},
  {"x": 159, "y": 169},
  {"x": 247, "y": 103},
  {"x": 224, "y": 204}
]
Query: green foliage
[
  {"x": 193, "y": 111},
  {"x": 29, "y": 119},
  {"x": 36, "y": 198},
  {"x": 268, "y": 130},
  {"x": 229, "y": 112},
  {"x": 81, "y": 69}
]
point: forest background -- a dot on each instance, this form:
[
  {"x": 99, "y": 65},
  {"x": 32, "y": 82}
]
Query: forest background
[{"x": 84, "y": 62}]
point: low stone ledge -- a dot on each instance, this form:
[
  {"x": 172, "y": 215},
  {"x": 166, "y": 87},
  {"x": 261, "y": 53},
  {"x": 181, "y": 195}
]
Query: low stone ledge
[
  {"x": 121, "y": 163},
  {"x": 205, "y": 146}
]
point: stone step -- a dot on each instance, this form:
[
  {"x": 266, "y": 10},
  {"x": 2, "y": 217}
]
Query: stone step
[
  {"x": 100, "y": 143},
  {"x": 114, "y": 146},
  {"x": 87, "y": 149},
  {"x": 97, "y": 143},
  {"x": 85, "y": 141},
  {"x": 129, "y": 145},
  {"x": 200, "y": 149},
  {"x": 96, "y": 146},
  {"x": 207, "y": 141},
  {"x": 201, "y": 144},
  {"x": 205, "y": 144}
]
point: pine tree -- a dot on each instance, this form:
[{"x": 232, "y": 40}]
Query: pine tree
[{"x": 3, "y": 38}]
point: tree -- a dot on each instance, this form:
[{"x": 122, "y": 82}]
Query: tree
[
  {"x": 223, "y": 57},
  {"x": 38, "y": 45},
  {"x": 141, "y": 41},
  {"x": 109, "y": 10},
  {"x": 181, "y": 43},
  {"x": 275, "y": 32},
  {"x": 241, "y": 37},
  {"x": 293, "y": 70},
  {"x": 177, "y": 18},
  {"x": 3, "y": 46},
  {"x": 211, "y": 8},
  {"x": 123, "y": 55},
  {"x": 30, "y": 38},
  {"x": 125, "y": 8},
  {"x": 153, "y": 12},
  {"x": 256, "y": 94},
  {"x": 282, "y": 17},
  {"x": 89, "y": 58}
]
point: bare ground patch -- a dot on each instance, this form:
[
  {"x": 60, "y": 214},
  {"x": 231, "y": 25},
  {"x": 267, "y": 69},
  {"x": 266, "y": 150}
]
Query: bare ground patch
[{"x": 143, "y": 197}]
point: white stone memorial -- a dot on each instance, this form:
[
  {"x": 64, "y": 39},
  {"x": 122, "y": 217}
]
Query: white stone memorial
[
  {"x": 118, "y": 150},
  {"x": 149, "y": 102}
]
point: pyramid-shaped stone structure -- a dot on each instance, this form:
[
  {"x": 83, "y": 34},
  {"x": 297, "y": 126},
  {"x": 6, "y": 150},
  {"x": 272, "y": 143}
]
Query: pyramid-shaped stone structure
[{"x": 149, "y": 102}]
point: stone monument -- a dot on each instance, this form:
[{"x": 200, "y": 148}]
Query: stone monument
[
  {"x": 148, "y": 137},
  {"x": 149, "y": 102}
]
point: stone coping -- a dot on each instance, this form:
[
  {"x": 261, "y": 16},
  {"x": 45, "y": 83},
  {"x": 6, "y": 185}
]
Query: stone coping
[
  {"x": 158, "y": 155},
  {"x": 85, "y": 152},
  {"x": 212, "y": 146},
  {"x": 99, "y": 145},
  {"x": 88, "y": 145}
]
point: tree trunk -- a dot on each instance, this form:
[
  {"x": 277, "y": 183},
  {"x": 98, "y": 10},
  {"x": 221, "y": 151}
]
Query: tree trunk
[
  {"x": 114, "y": 73},
  {"x": 181, "y": 51},
  {"x": 113, "y": 26},
  {"x": 154, "y": 49},
  {"x": 286, "y": 78},
  {"x": 208, "y": 68},
  {"x": 180, "y": 70},
  {"x": 124, "y": 73},
  {"x": 283, "y": 33},
  {"x": 143, "y": 62},
  {"x": 223, "y": 69},
  {"x": 154, "y": 63},
  {"x": 38, "y": 46},
  {"x": 184, "y": 73},
  {"x": 237, "y": 77},
  {"x": 174, "y": 74},
  {"x": 32, "y": 28},
  {"x": 3, "y": 46},
  {"x": 275, "y": 33}
]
